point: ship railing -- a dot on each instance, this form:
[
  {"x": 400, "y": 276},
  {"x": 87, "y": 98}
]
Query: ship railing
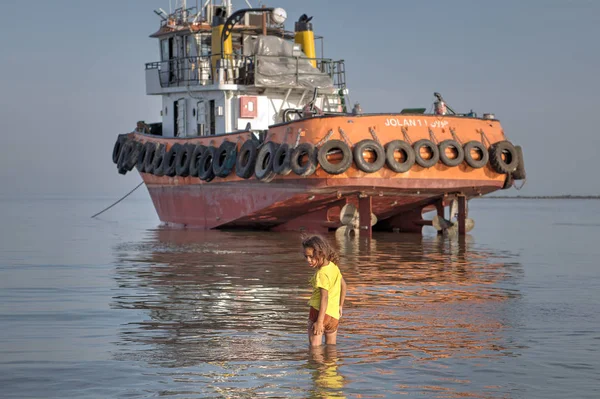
[{"x": 259, "y": 70}]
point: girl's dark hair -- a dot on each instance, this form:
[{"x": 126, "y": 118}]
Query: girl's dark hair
[{"x": 321, "y": 247}]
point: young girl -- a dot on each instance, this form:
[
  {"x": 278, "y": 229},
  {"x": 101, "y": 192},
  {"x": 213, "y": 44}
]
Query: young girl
[{"x": 329, "y": 291}]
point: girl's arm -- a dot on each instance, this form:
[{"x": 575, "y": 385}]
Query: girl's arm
[
  {"x": 318, "y": 326},
  {"x": 342, "y": 295}
]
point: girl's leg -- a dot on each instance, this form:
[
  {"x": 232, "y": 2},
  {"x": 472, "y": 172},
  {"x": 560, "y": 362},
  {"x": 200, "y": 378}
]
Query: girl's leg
[
  {"x": 331, "y": 338},
  {"x": 314, "y": 340}
]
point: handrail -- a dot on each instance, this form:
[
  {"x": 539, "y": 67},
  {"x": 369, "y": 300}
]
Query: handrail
[{"x": 239, "y": 69}]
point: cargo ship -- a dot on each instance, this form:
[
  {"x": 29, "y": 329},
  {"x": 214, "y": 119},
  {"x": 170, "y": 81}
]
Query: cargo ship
[{"x": 257, "y": 133}]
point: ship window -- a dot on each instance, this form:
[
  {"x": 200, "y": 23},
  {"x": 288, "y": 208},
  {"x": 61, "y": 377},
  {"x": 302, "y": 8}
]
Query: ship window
[{"x": 164, "y": 50}]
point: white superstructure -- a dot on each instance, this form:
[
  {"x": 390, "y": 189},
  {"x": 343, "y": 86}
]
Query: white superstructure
[{"x": 261, "y": 76}]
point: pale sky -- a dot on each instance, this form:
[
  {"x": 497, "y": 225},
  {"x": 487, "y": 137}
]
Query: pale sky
[{"x": 72, "y": 78}]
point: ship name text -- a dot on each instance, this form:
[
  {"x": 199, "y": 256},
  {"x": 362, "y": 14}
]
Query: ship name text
[{"x": 395, "y": 122}]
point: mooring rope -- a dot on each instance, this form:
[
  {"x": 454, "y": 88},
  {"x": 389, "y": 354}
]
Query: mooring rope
[{"x": 126, "y": 195}]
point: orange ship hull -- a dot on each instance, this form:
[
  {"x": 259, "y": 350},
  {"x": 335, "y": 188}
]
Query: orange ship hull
[{"x": 313, "y": 202}]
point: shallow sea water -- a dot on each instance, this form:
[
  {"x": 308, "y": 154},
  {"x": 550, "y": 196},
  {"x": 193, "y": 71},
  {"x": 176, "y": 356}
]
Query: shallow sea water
[{"x": 120, "y": 307}]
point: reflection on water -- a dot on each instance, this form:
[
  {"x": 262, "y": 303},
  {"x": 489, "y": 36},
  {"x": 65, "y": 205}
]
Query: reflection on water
[
  {"x": 323, "y": 363},
  {"x": 225, "y": 313}
]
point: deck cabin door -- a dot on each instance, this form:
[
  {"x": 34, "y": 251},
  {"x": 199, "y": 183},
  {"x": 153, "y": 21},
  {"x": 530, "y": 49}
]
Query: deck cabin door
[
  {"x": 201, "y": 118},
  {"x": 180, "y": 118}
]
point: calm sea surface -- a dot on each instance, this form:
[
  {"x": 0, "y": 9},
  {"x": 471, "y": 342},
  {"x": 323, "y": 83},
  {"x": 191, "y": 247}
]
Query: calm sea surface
[{"x": 119, "y": 307}]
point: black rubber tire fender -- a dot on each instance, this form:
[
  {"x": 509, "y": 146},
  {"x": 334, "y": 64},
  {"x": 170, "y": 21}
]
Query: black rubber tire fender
[
  {"x": 484, "y": 155},
  {"x": 298, "y": 153},
  {"x": 282, "y": 160},
  {"x": 403, "y": 147},
  {"x": 132, "y": 160},
  {"x": 139, "y": 165},
  {"x": 197, "y": 152},
  {"x": 453, "y": 144},
  {"x": 263, "y": 169},
  {"x": 225, "y": 157},
  {"x": 183, "y": 159},
  {"x": 435, "y": 153},
  {"x": 205, "y": 169},
  {"x": 335, "y": 168},
  {"x": 124, "y": 155},
  {"x": 508, "y": 181},
  {"x": 361, "y": 162},
  {"x": 158, "y": 164},
  {"x": 121, "y": 139},
  {"x": 149, "y": 156},
  {"x": 519, "y": 174},
  {"x": 170, "y": 158},
  {"x": 246, "y": 159},
  {"x": 511, "y": 160}
]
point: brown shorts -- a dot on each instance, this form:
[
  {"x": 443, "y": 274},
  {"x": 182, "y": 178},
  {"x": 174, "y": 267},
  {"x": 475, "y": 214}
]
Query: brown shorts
[{"x": 329, "y": 323}]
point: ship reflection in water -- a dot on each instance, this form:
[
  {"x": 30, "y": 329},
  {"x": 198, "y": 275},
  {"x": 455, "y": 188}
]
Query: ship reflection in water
[{"x": 225, "y": 313}]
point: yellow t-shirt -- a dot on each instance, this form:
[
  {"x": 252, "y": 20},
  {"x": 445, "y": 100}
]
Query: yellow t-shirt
[{"x": 328, "y": 277}]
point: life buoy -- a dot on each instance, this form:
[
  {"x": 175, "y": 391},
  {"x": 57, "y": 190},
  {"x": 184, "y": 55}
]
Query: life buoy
[
  {"x": 359, "y": 158},
  {"x": 205, "y": 169},
  {"x": 225, "y": 157},
  {"x": 482, "y": 155},
  {"x": 519, "y": 174},
  {"x": 149, "y": 157},
  {"x": 121, "y": 139},
  {"x": 303, "y": 150},
  {"x": 170, "y": 158},
  {"x": 407, "y": 159},
  {"x": 435, "y": 153},
  {"x": 453, "y": 146},
  {"x": 263, "y": 169},
  {"x": 195, "y": 159},
  {"x": 158, "y": 165},
  {"x": 183, "y": 160},
  {"x": 282, "y": 160},
  {"x": 244, "y": 165},
  {"x": 342, "y": 165},
  {"x": 503, "y": 157}
]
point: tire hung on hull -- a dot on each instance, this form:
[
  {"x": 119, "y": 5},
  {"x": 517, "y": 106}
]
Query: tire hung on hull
[
  {"x": 263, "y": 170},
  {"x": 197, "y": 152},
  {"x": 435, "y": 153},
  {"x": 503, "y": 157},
  {"x": 282, "y": 164},
  {"x": 205, "y": 169},
  {"x": 329, "y": 147},
  {"x": 121, "y": 139},
  {"x": 481, "y": 157},
  {"x": 246, "y": 159},
  {"x": 304, "y": 151},
  {"x": 519, "y": 174},
  {"x": 407, "y": 156},
  {"x": 124, "y": 155},
  {"x": 224, "y": 160},
  {"x": 183, "y": 160},
  {"x": 139, "y": 165},
  {"x": 455, "y": 147},
  {"x": 369, "y": 145},
  {"x": 158, "y": 164},
  {"x": 170, "y": 158},
  {"x": 129, "y": 156},
  {"x": 149, "y": 157}
]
